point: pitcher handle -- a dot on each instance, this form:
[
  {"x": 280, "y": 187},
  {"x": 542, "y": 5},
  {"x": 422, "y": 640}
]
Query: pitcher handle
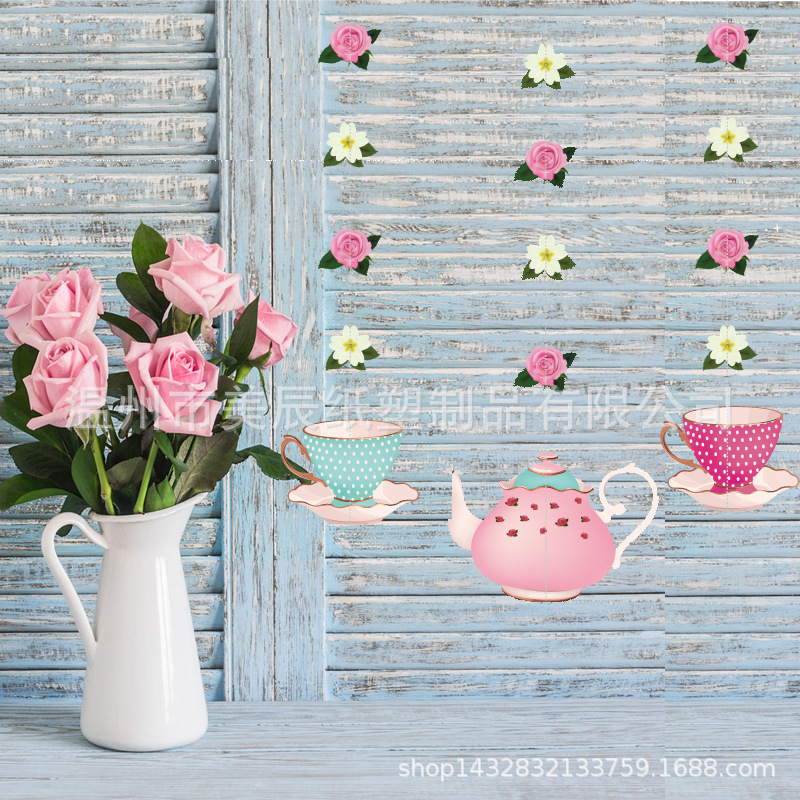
[
  {"x": 307, "y": 476},
  {"x": 62, "y": 579},
  {"x": 687, "y": 461},
  {"x": 612, "y": 510}
]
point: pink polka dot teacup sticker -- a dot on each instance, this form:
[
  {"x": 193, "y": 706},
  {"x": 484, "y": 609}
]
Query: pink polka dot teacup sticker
[{"x": 732, "y": 445}]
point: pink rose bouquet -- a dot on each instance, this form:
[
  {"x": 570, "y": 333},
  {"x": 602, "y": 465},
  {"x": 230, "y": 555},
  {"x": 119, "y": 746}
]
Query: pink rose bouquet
[
  {"x": 160, "y": 431},
  {"x": 351, "y": 249},
  {"x": 349, "y": 43},
  {"x": 727, "y": 43},
  {"x": 545, "y": 160},
  {"x": 728, "y": 249},
  {"x": 546, "y": 366}
]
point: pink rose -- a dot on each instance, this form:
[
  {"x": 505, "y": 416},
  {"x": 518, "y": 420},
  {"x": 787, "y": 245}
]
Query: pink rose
[
  {"x": 193, "y": 278},
  {"x": 349, "y": 42},
  {"x": 19, "y": 309},
  {"x": 727, "y": 247},
  {"x": 274, "y": 330},
  {"x": 726, "y": 41},
  {"x": 175, "y": 382},
  {"x": 545, "y": 159},
  {"x": 546, "y": 365},
  {"x": 66, "y": 305},
  {"x": 68, "y": 381},
  {"x": 349, "y": 247},
  {"x": 143, "y": 321}
]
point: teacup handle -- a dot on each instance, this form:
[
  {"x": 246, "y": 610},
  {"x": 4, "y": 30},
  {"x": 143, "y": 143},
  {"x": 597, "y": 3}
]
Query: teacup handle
[
  {"x": 687, "y": 461},
  {"x": 306, "y": 476}
]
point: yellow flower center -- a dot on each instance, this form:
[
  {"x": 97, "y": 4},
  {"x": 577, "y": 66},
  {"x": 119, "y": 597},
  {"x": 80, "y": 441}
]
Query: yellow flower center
[
  {"x": 545, "y": 255},
  {"x": 545, "y": 64},
  {"x": 347, "y": 142},
  {"x": 728, "y": 346},
  {"x": 350, "y": 346},
  {"x": 728, "y": 137}
]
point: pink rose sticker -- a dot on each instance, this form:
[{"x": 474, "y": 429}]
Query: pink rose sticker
[
  {"x": 175, "y": 382},
  {"x": 546, "y": 159},
  {"x": 349, "y": 247},
  {"x": 143, "y": 321},
  {"x": 350, "y": 42},
  {"x": 68, "y": 381},
  {"x": 546, "y": 365},
  {"x": 274, "y": 330},
  {"x": 19, "y": 310},
  {"x": 726, "y": 41},
  {"x": 727, "y": 247},
  {"x": 193, "y": 278}
]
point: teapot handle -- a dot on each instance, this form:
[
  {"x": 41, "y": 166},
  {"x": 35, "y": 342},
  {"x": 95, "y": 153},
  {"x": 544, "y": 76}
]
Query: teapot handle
[
  {"x": 62, "y": 579},
  {"x": 610, "y": 510}
]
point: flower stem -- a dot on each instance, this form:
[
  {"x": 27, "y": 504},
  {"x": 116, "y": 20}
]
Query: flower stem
[
  {"x": 105, "y": 486},
  {"x": 138, "y": 507},
  {"x": 241, "y": 374}
]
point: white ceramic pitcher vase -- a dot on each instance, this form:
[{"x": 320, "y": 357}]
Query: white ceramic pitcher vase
[{"x": 143, "y": 688}]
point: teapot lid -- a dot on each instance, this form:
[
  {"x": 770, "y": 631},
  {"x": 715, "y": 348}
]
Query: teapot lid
[
  {"x": 548, "y": 465},
  {"x": 546, "y": 473}
]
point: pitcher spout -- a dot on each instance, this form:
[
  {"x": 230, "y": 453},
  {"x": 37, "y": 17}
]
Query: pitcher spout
[{"x": 463, "y": 524}]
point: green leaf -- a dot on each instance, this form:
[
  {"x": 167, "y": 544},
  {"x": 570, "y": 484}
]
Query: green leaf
[
  {"x": 270, "y": 463},
  {"x": 565, "y": 72},
  {"x": 227, "y": 387},
  {"x": 740, "y": 60},
  {"x": 373, "y": 240},
  {"x": 357, "y": 163},
  {"x": 569, "y": 152},
  {"x": 524, "y": 379},
  {"x": 569, "y": 358},
  {"x": 126, "y": 325},
  {"x": 132, "y": 289},
  {"x": 359, "y": 367},
  {"x": 370, "y": 353},
  {"x": 74, "y": 505},
  {"x": 208, "y": 462},
  {"x": 748, "y": 145},
  {"x": 738, "y": 159},
  {"x": 705, "y": 56},
  {"x": 23, "y": 489},
  {"x": 751, "y": 240},
  {"x": 329, "y": 160},
  {"x": 16, "y": 411},
  {"x": 709, "y": 363},
  {"x": 528, "y": 273},
  {"x": 363, "y": 60},
  {"x": 84, "y": 475},
  {"x": 159, "y": 495},
  {"x": 328, "y": 261},
  {"x": 558, "y": 383},
  {"x": 43, "y": 461},
  {"x": 528, "y": 82},
  {"x": 710, "y": 155},
  {"x": 555, "y": 85},
  {"x": 243, "y": 336},
  {"x": 368, "y": 150},
  {"x": 747, "y": 353},
  {"x": 566, "y": 263},
  {"x": 741, "y": 266},
  {"x": 148, "y": 248},
  {"x": 558, "y": 178},
  {"x": 373, "y": 34},
  {"x": 524, "y": 173},
  {"x": 126, "y": 473},
  {"x": 736, "y": 366},
  {"x": 556, "y": 277},
  {"x": 127, "y": 448},
  {"x": 706, "y": 261},
  {"x": 751, "y": 33},
  {"x": 22, "y": 362},
  {"x": 328, "y": 56},
  {"x": 363, "y": 266},
  {"x": 119, "y": 383},
  {"x": 332, "y": 363}
]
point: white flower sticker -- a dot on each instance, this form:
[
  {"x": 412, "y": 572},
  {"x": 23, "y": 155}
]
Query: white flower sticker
[
  {"x": 728, "y": 139},
  {"x": 351, "y": 347},
  {"x": 544, "y": 65},
  {"x": 348, "y": 144},
  {"x": 727, "y": 347},
  {"x": 548, "y": 257}
]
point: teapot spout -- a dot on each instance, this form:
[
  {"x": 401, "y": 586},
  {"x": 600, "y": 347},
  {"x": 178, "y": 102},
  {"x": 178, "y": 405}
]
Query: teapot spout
[{"x": 463, "y": 524}]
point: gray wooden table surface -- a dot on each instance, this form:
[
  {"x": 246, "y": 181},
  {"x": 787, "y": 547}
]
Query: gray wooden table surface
[{"x": 363, "y": 750}]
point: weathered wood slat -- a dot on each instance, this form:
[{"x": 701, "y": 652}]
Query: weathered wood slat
[
  {"x": 107, "y": 90},
  {"x": 748, "y": 577},
  {"x": 491, "y": 650},
  {"x": 732, "y": 614},
  {"x": 64, "y": 650},
  {"x": 404, "y": 614},
  {"x": 108, "y": 133},
  {"x": 449, "y": 576},
  {"x": 106, "y": 32},
  {"x": 734, "y": 651},
  {"x": 751, "y": 684},
  {"x": 759, "y": 90},
  {"x": 445, "y": 683},
  {"x": 103, "y": 192},
  {"x": 733, "y": 537},
  {"x": 31, "y": 575},
  {"x": 34, "y": 62},
  {"x": 48, "y": 612},
  {"x": 68, "y": 683}
]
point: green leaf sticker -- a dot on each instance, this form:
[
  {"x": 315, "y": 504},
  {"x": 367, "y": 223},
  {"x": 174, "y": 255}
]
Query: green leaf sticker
[
  {"x": 524, "y": 379},
  {"x": 328, "y": 56},
  {"x": 710, "y": 155},
  {"x": 373, "y": 34},
  {"x": 740, "y": 266},
  {"x": 524, "y": 173},
  {"x": 329, "y": 262},
  {"x": 373, "y": 240},
  {"x": 363, "y": 60},
  {"x": 565, "y": 72},
  {"x": 706, "y": 261},
  {"x": 740, "y": 60},
  {"x": 747, "y": 353},
  {"x": 558, "y": 178},
  {"x": 748, "y": 145},
  {"x": 370, "y": 353},
  {"x": 566, "y": 263},
  {"x": 751, "y": 33},
  {"x": 329, "y": 160},
  {"x": 528, "y": 82},
  {"x": 569, "y": 358},
  {"x": 705, "y": 56},
  {"x": 569, "y": 152},
  {"x": 368, "y": 150},
  {"x": 751, "y": 240},
  {"x": 709, "y": 363},
  {"x": 332, "y": 363}
]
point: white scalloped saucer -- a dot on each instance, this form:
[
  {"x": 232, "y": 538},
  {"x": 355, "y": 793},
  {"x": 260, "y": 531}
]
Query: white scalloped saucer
[
  {"x": 768, "y": 483},
  {"x": 387, "y": 497}
]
